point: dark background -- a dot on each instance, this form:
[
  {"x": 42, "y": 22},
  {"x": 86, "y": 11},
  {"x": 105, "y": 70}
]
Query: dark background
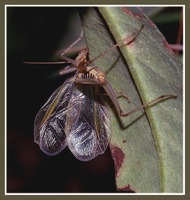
[{"x": 37, "y": 34}]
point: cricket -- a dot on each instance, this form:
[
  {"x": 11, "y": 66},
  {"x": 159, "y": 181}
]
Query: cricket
[{"x": 76, "y": 114}]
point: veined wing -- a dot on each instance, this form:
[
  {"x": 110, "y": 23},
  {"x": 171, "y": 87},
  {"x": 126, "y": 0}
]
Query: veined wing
[
  {"x": 50, "y": 121},
  {"x": 87, "y": 124}
]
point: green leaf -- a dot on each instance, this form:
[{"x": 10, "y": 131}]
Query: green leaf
[{"x": 147, "y": 148}]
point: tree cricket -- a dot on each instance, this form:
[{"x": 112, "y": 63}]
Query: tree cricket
[{"x": 74, "y": 115}]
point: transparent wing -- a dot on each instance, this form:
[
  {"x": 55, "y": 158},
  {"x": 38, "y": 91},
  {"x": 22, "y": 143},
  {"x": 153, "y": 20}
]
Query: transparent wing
[
  {"x": 87, "y": 124},
  {"x": 50, "y": 121}
]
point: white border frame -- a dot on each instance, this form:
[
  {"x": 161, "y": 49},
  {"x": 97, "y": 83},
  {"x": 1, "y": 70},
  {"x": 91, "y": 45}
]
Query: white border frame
[{"x": 5, "y": 99}]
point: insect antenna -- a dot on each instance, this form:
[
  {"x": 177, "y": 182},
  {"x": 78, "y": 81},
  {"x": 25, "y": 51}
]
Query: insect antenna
[
  {"x": 44, "y": 62},
  {"x": 73, "y": 44},
  {"x": 67, "y": 60}
]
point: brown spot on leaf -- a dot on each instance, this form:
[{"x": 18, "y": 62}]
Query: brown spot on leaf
[
  {"x": 127, "y": 188},
  {"x": 118, "y": 157},
  {"x": 138, "y": 162}
]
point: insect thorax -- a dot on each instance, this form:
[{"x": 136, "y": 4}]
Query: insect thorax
[{"x": 93, "y": 75}]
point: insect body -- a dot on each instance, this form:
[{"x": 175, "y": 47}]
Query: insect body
[{"x": 75, "y": 115}]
